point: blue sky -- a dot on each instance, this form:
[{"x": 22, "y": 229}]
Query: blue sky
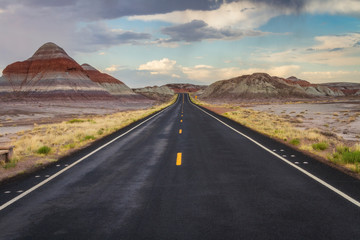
[{"x": 152, "y": 42}]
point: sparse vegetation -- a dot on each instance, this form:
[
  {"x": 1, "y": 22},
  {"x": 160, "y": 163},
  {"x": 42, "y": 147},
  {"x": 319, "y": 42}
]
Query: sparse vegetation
[
  {"x": 100, "y": 131},
  {"x": 320, "y": 146},
  {"x": 347, "y": 156},
  {"x": 295, "y": 141},
  {"x": 47, "y": 143},
  {"x": 88, "y": 137},
  {"x": 76, "y": 121},
  {"x": 44, "y": 150},
  {"x": 12, "y": 163},
  {"x": 319, "y": 142}
]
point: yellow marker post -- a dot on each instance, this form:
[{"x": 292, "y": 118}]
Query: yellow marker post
[
  {"x": 180, "y": 131},
  {"x": 178, "y": 159}
]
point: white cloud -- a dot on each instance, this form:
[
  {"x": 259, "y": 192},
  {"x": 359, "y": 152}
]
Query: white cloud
[
  {"x": 252, "y": 14},
  {"x": 112, "y": 68},
  {"x": 102, "y": 53},
  {"x": 208, "y": 74},
  {"x": 243, "y": 14},
  {"x": 347, "y": 7},
  {"x": 175, "y": 76},
  {"x": 164, "y": 66},
  {"x": 336, "y": 50},
  {"x": 337, "y": 41},
  {"x": 331, "y": 76}
]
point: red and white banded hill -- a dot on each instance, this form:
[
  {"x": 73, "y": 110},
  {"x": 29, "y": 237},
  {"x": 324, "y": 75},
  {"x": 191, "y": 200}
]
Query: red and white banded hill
[{"x": 51, "y": 74}]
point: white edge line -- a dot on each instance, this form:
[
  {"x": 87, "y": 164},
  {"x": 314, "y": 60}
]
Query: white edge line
[
  {"x": 78, "y": 161},
  {"x": 342, "y": 194}
]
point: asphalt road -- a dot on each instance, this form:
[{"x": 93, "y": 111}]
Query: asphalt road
[{"x": 207, "y": 182}]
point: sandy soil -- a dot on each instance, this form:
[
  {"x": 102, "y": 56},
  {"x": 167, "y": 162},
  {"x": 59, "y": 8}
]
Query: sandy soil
[
  {"x": 339, "y": 117},
  {"x": 19, "y": 116}
]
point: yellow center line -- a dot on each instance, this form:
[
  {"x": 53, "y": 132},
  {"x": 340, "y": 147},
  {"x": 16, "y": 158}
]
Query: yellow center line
[
  {"x": 178, "y": 159},
  {"x": 180, "y": 131},
  {"x": 181, "y": 120}
]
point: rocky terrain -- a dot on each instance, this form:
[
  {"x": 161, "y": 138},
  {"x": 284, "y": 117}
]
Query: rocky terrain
[
  {"x": 339, "y": 117},
  {"x": 165, "y": 92},
  {"x": 262, "y": 85},
  {"x": 109, "y": 83},
  {"x": 49, "y": 73},
  {"x": 162, "y": 93},
  {"x": 185, "y": 87},
  {"x": 349, "y": 89}
]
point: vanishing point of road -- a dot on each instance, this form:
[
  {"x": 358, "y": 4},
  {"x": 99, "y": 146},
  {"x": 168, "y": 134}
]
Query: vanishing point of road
[{"x": 183, "y": 173}]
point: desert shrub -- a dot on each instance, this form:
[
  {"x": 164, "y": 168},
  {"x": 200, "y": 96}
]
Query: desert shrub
[
  {"x": 89, "y": 137},
  {"x": 351, "y": 157},
  {"x": 70, "y": 145},
  {"x": 44, "y": 150},
  {"x": 295, "y": 141},
  {"x": 320, "y": 146},
  {"x": 342, "y": 149},
  {"x": 75, "y": 120}
]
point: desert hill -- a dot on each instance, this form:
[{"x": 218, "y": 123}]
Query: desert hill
[
  {"x": 185, "y": 87},
  {"x": 109, "y": 83},
  {"x": 346, "y": 87},
  {"x": 162, "y": 93},
  {"x": 262, "y": 85},
  {"x": 49, "y": 73}
]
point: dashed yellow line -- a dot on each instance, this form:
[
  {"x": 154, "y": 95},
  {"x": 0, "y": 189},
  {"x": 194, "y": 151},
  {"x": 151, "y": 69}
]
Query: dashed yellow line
[
  {"x": 180, "y": 131},
  {"x": 181, "y": 120},
  {"x": 178, "y": 159}
]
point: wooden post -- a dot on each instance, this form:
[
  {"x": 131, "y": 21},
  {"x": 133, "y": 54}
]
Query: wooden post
[{"x": 6, "y": 153}]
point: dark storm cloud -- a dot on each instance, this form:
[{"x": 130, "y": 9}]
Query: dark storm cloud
[
  {"x": 48, "y": 3},
  {"x": 198, "y": 30},
  {"x": 110, "y": 9},
  {"x": 293, "y": 4},
  {"x": 116, "y": 8},
  {"x": 100, "y": 34}
]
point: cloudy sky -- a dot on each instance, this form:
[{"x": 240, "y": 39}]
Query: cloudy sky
[{"x": 152, "y": 42}]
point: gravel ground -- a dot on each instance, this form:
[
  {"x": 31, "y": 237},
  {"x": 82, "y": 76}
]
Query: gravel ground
[{"x": 20, "y": 116}]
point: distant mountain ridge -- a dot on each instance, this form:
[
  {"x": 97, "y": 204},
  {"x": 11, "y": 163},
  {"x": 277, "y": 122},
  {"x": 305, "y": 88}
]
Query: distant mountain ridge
[
  {"x": 262, "y": 85},
  {"x": 185, "y": 87},
  {"x": 347, "y": 88}
]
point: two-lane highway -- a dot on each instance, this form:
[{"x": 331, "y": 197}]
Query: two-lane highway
[{"x": 184, "y": 174}]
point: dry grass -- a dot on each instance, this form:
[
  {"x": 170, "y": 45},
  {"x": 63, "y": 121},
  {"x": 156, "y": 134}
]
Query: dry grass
[
  {"x": 65, "y": 137},
  {"x": 322, "y": 143}
]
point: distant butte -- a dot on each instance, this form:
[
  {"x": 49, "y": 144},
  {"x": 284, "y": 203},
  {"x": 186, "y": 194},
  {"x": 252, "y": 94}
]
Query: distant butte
[
  {"x": 51, "y": 74},
  {"x": 262, "y": 85}
]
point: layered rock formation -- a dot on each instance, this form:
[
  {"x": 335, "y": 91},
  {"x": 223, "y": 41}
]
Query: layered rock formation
[
  {"x": 50, "y": 73},
  {"x": 349, "y": 89},
  {"x": 162, "y": 93},
  {"x": 111, "y": 84},
  {"x": 185, "y": 87},
  {"x": 262, "y": 85}
]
